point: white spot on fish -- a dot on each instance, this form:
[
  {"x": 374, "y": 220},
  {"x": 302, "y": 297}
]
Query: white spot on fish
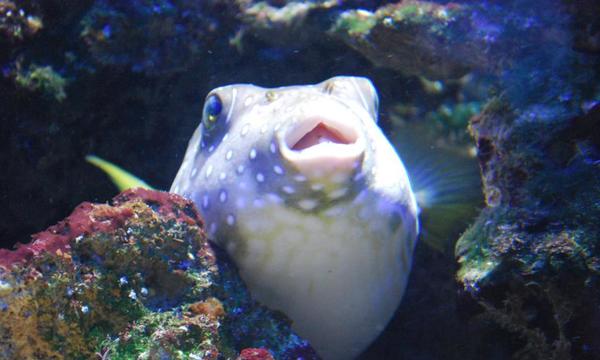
[
  {"x": 222, "y": 176},
  {"x": 277, "y": 126},
  {"x": 335, "y": 211},
  {"x": 274, "y": 198},
  {"x": 223, "y": 196},
  {"x": 211, "y": 148},
  {"x": 338, "y": 193},
  {"x": 288, "y": 189},
  {"x": 258, "y": 203},
  {"x": 317, "y": 186},
  {"x": 245, "y": 129},
  {"x": 260, "y": 177},
  {"x": 300, "y": 178},
  {"x": 209, "y": 170},
  {"x": 240, "y": 202},
  {"x": 205, "y": 201},
  {"x": 263, "y": 129},
  {"x": 230, "y": 220},
  {"x": 278, "y": 170},
  {"x": 229, "y": 155},
  {"x": 194, "y": 172},
  {"x": 273, "y": 148},
  {"x": 252, "y": 154},
  {"x": 225, "y": 137},
  {"x": 308, "y": 204},
  {"x": 240, "y": 169},
  {"x": 248, "y": 101}
]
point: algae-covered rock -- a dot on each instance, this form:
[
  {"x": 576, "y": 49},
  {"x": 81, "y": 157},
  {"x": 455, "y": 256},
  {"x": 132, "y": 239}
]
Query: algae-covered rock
[
  {"x": 444, "y": 40},
  {"x": 135, "y": 280},
  {"x": 532, "y": 258},
  {"x": 413, "y": 37},
  {"x": 44, "y": 79}
]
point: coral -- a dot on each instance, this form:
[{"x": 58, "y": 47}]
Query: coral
[
  {"x": 255, "y": 354},
  {"x": 137, "y": 279}
]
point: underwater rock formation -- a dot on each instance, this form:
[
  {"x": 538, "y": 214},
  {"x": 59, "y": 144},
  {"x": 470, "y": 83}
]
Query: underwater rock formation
[
  {"x": 532, "y": 258},
  {"x": 413, "y": 37},
  {"x": 137, "y": 279}
]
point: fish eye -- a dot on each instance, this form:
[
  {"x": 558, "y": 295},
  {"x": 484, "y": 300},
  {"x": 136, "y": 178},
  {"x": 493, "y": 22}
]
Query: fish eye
[{"x": 212, "y": 109}]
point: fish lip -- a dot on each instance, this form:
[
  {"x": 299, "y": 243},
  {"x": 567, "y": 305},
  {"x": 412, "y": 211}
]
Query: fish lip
[{"x": 328, "y": 158}]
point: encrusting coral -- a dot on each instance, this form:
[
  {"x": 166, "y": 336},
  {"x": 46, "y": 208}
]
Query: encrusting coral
[{"x": 137, "y": 279}]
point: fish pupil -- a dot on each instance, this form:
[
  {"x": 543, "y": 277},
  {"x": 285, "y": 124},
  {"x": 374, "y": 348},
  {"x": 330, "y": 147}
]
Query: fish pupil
[{"x": 212, "y": 109}]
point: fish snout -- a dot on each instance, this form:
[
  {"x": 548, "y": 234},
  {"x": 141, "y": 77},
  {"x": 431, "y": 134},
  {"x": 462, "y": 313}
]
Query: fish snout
[{"x": 324, "y": 147}]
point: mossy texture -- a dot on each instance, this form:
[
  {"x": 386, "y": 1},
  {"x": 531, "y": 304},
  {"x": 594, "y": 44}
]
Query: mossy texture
[
  {"x": 532, "y": 258},
  {"x": 426, "y": 37},
  {"x": 136, "y": 280}
]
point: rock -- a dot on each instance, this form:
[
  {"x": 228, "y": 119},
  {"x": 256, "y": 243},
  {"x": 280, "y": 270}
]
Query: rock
[
  {"x": 413, "y": 37},
  {"x": 532, "y": 258},
  {"x": 135, "y": 279}
]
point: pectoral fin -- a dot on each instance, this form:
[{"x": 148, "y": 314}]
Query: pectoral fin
[{"x": 121, "y": 178}]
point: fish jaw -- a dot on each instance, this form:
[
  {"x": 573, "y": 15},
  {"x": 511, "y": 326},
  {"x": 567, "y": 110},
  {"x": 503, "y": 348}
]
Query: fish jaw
[{"x": 325, "y": 142}]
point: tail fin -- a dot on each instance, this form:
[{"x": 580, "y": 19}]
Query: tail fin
[
  {"x": 446, "y": 183},
  {"x": 121, "y": 178}
]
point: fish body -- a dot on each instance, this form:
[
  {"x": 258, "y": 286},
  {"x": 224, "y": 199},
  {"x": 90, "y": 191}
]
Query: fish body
[{"x": 308, "y": 197}]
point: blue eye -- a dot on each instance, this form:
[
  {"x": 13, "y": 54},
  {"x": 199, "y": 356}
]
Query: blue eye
[{"x": 212, "y": 109}]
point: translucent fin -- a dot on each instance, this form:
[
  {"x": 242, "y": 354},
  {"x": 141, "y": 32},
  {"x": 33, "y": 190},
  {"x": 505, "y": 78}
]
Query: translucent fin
[
  {"x": 121, "y": 178},
  {"x": 446, "y": 181}
]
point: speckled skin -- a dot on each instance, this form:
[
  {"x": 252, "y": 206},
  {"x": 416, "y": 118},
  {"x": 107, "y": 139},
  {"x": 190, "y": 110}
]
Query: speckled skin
[{"x": 325, "y": 233}]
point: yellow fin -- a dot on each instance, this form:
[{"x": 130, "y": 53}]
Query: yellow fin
[{"x": 121, "y": 178}]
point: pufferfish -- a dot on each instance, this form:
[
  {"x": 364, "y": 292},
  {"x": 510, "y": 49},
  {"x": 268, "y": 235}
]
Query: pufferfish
[{"x": 312, "y": 202}]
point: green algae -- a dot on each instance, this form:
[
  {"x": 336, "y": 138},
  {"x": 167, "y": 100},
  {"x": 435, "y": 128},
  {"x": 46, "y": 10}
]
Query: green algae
[
  {"x": 356, "y": 23},
  {"x": 44, "y": 79}
]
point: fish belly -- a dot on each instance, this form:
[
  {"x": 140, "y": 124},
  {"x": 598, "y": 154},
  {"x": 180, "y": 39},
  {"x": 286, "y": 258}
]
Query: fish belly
[{"x": 338, "y": 275}]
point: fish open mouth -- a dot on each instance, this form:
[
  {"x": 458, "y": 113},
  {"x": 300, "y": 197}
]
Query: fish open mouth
[
  {"x": 321, "y": 134},
  {"x": 321, "y": 145},
  {"x": 318, "y": 131}
]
